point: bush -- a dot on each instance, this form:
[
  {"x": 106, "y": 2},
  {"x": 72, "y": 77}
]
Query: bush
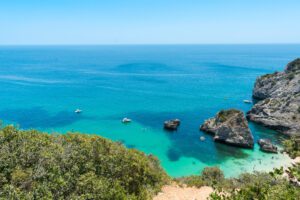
[
  {"x": 210, "y": 176},
  {"x": 291, "y": 76},
  {"x": 248, "y": 186},
  {"x": 36, "y": 165},
  {"x": 224, "y": 115},
  {"x": 292, "y": 146},
  {"x": 262, "y": 186},
  {"x": 294, "y": 172},
  {"x": 213, "y": 175}
]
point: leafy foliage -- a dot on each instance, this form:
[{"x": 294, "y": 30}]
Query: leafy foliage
[
  {"x": 262, "y": 186},
  {"x": 224, "y": 115},
  {"x": 292, "y": 146},
  {"x": 294, "y": 172},
  {"x": 248, "y": 186},
  {"x": 210, "y": 176},
  {"x": 36, "y": 165}
]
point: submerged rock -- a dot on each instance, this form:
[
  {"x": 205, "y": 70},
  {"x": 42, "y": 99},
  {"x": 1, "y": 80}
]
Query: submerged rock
[
  {"x": 279, "y": 105},
  {"x": 172, "y": 124},
  {"x": 230, "y": 127},
  {"x": 202, "y": 138},
  {"x": 267, "y": 146}
]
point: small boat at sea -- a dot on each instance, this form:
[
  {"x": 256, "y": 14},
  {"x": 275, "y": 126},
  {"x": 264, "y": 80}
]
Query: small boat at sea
[
  {"x": 126, "y": 120},
  {"x": 247, "y": 101},
  {"x": 78, "y": 111}
]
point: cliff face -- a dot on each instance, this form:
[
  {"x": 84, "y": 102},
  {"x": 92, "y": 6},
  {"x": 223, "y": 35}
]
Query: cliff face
[
  {"x": 279, "y": 84},
  {"x": 230, "y": 127},
  {"x": 279, "y": 95}
]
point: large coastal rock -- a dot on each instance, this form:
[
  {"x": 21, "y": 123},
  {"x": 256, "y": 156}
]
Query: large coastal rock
[
  {"x": 279, "y": 84},
  {"x": 230, "y": 127},
  {"x": 279, "y": 100},
  {"x": 267, "y": 146}
]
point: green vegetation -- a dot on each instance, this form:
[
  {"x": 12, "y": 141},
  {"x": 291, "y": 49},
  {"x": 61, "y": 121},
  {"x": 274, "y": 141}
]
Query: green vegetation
[
  {"x": 294, "y": 65},
  {"x": 266, "y": 76},
  {"x": 292, "y": 146},
  {"x": 223, "y": 115},
  {"x": 248, "y": 186},
  {"x": 36, "y": 165},
  {"x": 260, "y": 186},
  {"x": 210, "y": 176},
  {"x": 291, "y": 76},
  {"x": 265, "y": 186},
  {"x": 294, "y": 172}
]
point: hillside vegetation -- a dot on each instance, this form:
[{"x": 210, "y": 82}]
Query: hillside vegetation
[
  {"x": 249, "y": 186},
  {"x": 36, "y": 165}
]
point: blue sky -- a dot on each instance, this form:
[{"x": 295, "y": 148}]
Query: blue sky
[{"x": 149, "y": 21}]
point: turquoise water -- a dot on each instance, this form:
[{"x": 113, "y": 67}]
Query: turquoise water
[{"x": 41, "y": 86}]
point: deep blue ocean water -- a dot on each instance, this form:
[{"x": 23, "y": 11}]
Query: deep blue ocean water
[{"x": 41, "y": 86}]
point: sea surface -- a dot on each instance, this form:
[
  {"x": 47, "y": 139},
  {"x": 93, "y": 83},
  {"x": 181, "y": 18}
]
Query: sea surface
[{"x": 41, "y": 86}]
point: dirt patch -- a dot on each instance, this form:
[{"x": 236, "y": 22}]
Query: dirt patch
[{"x": 175, "y": 192}]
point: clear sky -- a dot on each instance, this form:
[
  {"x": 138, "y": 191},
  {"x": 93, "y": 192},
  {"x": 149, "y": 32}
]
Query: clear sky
[{"x": 149, "y": 21}]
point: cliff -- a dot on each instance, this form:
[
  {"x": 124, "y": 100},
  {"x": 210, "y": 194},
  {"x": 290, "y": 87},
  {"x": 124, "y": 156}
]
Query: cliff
[{"x": 279, "y": 100}]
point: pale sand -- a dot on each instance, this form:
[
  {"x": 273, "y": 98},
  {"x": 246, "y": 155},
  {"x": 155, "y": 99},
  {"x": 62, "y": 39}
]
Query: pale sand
[
  {"x": 174, "y": 192},
  {"x": 296, "y": 160}
]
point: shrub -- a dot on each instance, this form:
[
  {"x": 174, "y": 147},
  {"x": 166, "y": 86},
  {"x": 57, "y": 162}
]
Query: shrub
[
  {"x": 262, "y": 186},
  {"x": 210, "y": 176},
  {"x": 291, "y": 76},
  {"x": 294, "y": 172},
  {"x": 267, "y": 76},
  {"x": 292, "y": 146},
  {"x": 36, "y": 165},
  {"x": 223, "y": 115}
]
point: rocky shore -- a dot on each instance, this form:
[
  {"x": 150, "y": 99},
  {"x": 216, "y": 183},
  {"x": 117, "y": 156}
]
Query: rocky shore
[
  {"x": 278, "y": 96},
  {"x": 230, "y": 127}
]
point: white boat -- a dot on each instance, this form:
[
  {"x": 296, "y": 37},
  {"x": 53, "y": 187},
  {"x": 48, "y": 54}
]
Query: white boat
[
  {"x": 78, "y": 111},
  {"x": 247, "y": 101},
  {"x": 126, "y": 120}
]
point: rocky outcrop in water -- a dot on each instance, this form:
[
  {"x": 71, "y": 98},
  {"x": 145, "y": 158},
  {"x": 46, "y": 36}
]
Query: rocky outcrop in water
[
  {"x": 172, "y": 124},
  {"x": 279, "y": 100},
  {"x": 230, "y": 127},
  {"x": 267, "y": 146}
]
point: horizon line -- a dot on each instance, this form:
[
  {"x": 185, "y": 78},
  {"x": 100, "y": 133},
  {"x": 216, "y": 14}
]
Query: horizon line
[{"x": 148, "y": 44}]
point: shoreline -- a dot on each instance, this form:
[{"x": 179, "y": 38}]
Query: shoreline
[
  {"x": 176, "y": 191},
  {"x": 240, "y": 165}
]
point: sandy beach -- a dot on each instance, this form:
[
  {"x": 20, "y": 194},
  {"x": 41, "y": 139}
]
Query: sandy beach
[{"x": 175, "y": 192}]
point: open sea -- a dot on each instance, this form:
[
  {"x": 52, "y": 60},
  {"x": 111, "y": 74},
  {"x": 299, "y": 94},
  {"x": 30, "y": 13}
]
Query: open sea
[{"x": 41, "y": 86}]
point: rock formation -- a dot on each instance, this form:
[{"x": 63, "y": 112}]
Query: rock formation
[
  {"x": 279, "y": 100},
  {"x": 172, "y": 124},
  {"x": 230, "y": 127},
  {"x": 267, "y": 146}
]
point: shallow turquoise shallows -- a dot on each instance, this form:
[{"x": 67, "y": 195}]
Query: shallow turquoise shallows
[{"x": 41, "y": 86}]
